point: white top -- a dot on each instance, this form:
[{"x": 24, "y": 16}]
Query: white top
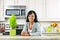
[{"x": 29, "y": 30}]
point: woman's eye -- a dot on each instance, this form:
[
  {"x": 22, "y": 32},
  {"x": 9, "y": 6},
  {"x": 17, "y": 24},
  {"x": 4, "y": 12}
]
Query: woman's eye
[{"x": 32, "y": 16}]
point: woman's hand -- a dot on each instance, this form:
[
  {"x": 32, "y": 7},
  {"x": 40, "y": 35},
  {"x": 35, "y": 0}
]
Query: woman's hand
[
  {"x": 25, "y": 34},
  {"x": 22, "y": 33}
]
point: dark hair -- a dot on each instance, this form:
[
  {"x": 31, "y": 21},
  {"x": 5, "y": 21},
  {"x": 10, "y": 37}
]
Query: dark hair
[{"x": 29, "y": 13}]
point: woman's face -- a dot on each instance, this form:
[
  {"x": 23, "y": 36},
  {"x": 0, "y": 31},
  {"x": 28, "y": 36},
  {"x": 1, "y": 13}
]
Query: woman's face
[{"x": 31, "y": 17}]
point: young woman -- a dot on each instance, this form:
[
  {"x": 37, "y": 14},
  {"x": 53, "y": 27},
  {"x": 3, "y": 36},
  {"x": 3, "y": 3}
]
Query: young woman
[{"x": 32, "y": 26}]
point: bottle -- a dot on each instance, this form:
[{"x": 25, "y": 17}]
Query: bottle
[{"x": 49, "y": 29}]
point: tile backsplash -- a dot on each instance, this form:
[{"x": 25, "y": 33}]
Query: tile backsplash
[{"x": 43, "y": 24}]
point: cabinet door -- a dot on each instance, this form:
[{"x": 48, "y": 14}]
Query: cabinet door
[
  {"x": 51, "y": 9},
  {"x": 20, "y": 2},
  {"x": 9, "y": 2},
  {"x": 37, "y": 6},
  {"x": 58, "y": 9},
  {"x": 1, "y": 11}
]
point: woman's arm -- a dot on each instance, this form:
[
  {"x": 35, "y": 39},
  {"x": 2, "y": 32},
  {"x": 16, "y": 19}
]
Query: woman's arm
[{"x": 24, "y": 30}]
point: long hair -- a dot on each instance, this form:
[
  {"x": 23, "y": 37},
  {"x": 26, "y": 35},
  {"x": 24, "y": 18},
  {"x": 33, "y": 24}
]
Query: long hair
[{"x": 29, "y": 13}]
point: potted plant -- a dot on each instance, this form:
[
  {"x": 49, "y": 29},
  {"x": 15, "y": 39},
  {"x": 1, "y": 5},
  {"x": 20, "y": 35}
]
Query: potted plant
[{"x": 12, "y": 24}]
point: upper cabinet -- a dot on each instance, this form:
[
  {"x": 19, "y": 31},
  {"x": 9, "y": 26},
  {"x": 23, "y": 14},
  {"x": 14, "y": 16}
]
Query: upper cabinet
[
  {"x": 1, "y": 11},
  {"x": 58, "y": 8},
  {"x": 15, "y": 2},
  {"x": 38, "y": 6},
  {"x": 20, "y": 2},
  {"x": 45, "y": 9},
  {"x": 9, "y": 2},
  {"x": 53, "y": 8}
]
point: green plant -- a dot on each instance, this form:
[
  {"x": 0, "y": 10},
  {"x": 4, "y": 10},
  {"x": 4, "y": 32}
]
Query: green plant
[{"x": 12, "y": 22}]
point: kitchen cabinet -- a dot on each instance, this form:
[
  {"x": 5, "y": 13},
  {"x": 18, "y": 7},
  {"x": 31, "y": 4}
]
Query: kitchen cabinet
[
  {"x": 9, "y": 2},
  {"x": 38, "y": 6},
  {"x": 52, "y": 10},
  {"x": 47, "y": 10},
  {"x": 1, "y": 11},
  {"x": 20, "y": 2},
  {"x": 58, "y": 8},
  {"x": 14, "y": 2}
]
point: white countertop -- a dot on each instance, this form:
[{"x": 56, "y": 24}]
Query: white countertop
[
  {"x": 30, "y": 37},
  {"x": 44, "y": 36}
]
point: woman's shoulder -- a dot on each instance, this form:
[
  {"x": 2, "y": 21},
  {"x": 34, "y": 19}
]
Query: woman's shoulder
[{"x": 37, "y": 24}]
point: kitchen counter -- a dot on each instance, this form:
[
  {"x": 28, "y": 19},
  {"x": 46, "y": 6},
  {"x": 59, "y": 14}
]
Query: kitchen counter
[{"x": 29, "y": 37}]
